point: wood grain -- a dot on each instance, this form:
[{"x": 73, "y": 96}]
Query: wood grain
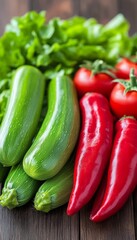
[
  {"x": 9, "y": 9},
  {"x": 135, "y": 211},
  {"x": 25, "y": 223},
  {"x": 129, "y": 8},
  {"x": 118, "y": 227},
  {"x": 99, "y": 9},
  {"x": 103, "y": 10},
  {"x": 54, "y": 8}
]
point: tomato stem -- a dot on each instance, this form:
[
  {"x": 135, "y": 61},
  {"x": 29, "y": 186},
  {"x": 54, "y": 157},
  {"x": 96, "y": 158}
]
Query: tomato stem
[
  {"x": 133, "y": 78},
  {"x": 99, "y": 66},
  {"x": 130, "y": 85}
]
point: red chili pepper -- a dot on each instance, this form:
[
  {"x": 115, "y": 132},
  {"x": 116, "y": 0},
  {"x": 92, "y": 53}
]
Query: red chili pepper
[
  {"x": 122, "y": 171},
  {"x": 93, "y": 149}
]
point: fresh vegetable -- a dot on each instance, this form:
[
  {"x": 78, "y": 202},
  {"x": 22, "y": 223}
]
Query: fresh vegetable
[
  {"x": 123, "y": 98},
  {"x": 124, "y": 66},
  {"x": 3, "y": 172},
  {"x": 53, "y": 51},
  {"x": 93, "y": 151},
  {"x": 4, "y": 96},
  {"x": 61, "y": 44},
  {"x": 22, "y": 114},
  {"x": 58, "y": 134},
  {"x": 65, "y": 42},
  {"x": 18, "y": 188},
  {"x": 122, "y": 171},
  {"x": 95, "y": 77},
  {"x": 55, "y": 192}
]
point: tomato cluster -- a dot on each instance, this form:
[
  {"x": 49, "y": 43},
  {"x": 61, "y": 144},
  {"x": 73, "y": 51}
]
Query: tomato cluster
[{"x": 118, "y": 84}]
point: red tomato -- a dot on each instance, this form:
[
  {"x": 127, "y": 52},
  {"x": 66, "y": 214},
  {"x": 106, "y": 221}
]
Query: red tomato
[
  {"x": 86, "y": 82},
  {"x": 123, "y": 103},
  {"x": 123, "y": 68}
]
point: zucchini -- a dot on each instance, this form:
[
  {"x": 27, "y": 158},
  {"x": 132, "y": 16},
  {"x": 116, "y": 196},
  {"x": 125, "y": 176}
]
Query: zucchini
[
  {"x": 3, "y": 172},
  {"x": 22, "y": 114},
  {"x": 58, "y": 134},
  {"x": 55, "y": 192},
  {"x": 18, "y": 188}
]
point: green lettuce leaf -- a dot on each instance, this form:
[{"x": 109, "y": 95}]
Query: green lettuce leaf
[{"x": 60, "y": 45}]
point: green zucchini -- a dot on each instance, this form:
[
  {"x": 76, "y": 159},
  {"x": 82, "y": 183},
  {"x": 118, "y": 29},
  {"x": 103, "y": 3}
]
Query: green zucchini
[
  {"x": 58, "y": 134},
  {"x": 18, "y": 188},
  {"x": 55, "y": 192},
  {"x": 3, "y": 172},
  {"x": 22, "y": 114}
]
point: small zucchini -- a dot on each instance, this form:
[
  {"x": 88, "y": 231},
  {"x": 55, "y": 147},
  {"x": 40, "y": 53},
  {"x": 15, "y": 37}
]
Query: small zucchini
[
  {"x": 22, "y": 114},
  {"x": 18, "y": 188},
  {"x": 58, "y": 134},
  {"x": 3, "y": 172},
  {"x": 55, "y": 192}
]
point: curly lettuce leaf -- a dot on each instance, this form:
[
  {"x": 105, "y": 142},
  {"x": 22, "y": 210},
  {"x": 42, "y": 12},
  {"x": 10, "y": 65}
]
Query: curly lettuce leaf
[{"x": 60, "y": 44}]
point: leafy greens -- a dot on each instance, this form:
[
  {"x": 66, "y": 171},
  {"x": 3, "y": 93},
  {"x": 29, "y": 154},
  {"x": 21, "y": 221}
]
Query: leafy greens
[{"x": 59, "y": 44}]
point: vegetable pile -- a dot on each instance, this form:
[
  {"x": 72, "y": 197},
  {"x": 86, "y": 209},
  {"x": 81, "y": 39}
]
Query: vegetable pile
[
  {"x": 59, "y": 44},
  {"x": 68, "y": 96}
]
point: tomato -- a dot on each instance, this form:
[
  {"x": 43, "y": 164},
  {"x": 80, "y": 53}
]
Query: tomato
[
  {"x": 123, "y": 98},
  {"x": 85, "y": 81},
  {"x": 123, "y": 68}
]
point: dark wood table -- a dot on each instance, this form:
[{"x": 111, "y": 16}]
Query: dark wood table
[
  {"x": 27, "y": 224},
  {"x": 103, "y": 10}
]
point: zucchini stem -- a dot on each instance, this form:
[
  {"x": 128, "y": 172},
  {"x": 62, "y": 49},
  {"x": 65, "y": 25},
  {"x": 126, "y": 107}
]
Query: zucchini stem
[
  {"x": 9, "y": 198},
  {"x": 43, "y": 202}
]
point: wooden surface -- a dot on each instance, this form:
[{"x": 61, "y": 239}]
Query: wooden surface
[
  {"x": 25, "y": 223},
  {"x": 103, "y": 10}
]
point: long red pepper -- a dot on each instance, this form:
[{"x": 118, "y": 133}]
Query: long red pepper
[
  {"x": 122, "y": 171},
  {"x": 93, "y": 151}
]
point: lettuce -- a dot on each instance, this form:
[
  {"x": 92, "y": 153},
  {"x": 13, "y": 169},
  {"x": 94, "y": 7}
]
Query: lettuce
[{"x": 60, "y": 44}]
